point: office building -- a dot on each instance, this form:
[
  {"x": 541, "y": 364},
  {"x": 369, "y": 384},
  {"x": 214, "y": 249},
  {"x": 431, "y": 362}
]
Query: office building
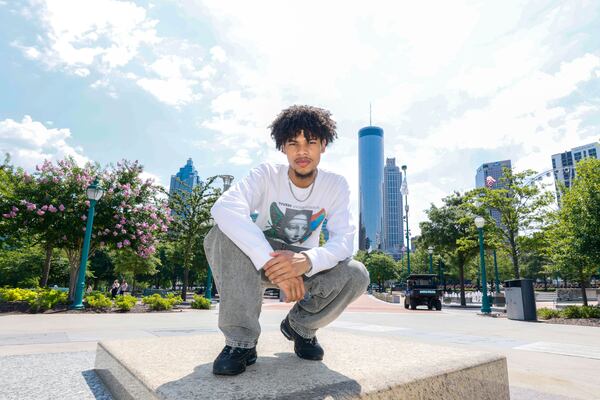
[
  {"x": 490, "y": 175},
  {"x": 185, "y": 179},
  {"x": 393, "y": 226},
  {"x": 370, "y": 174},
  {"x": 564, "y": 165}
]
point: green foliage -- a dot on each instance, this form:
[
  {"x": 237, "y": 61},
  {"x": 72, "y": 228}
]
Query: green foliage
[
  {"x": 571, "y": 312},
  {"x": 158, "y": 303},
  {"x": 548, "y": 313},
  {"x": 98, "y": 301},
  {"x": 176, "y": 300},
  {"x": 125, "y": 302},
  {"x": 200, "y": 302},
  {"x": 580, "y": 312},
  {"x": 523, "y": 208},
  {"x": 382, "y": 267},
  {"x": 47, "y": 300},
  {"x": 17, "y": 294},
  {"x": 192, "y": 221},
  {"x": 575, "y": 237},
  {"x": 38, "y": 300}
]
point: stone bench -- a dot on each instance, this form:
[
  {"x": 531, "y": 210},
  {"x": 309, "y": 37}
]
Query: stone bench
[{"x": 355, "y": 366}]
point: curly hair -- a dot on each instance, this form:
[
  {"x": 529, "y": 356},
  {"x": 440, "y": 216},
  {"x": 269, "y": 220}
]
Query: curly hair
[{"x": 316, "y": 123}]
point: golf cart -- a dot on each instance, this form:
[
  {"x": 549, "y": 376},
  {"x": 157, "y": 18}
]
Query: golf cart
[{"x": 422, "y": 289}]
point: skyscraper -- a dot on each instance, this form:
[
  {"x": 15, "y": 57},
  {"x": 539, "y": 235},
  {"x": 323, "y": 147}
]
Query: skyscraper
[
  {"x": 185, "y": 179},
  {"x": 565, "y": 164},
  {"x": 393, "y": 229},
  {"x": 370, "y": 185},
  {"x": 495, "y": 171}
]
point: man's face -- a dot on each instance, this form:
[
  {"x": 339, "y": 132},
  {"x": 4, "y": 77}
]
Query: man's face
[{"x": 303, "y": 156}]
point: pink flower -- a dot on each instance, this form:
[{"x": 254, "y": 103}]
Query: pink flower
[
  {"x": 123, "y": 231},
  {"x": 23, "y": 202},
  {"x": 132, "y": 237},
  {"x": 106, "y": 231},
  {"x": 119, "y": 245},
  {"x": 118, "y": 226},
  {"x": 123, "y": 221},
  {"x": 55, "y": 179},
  {"x": 6, "y": 215},
  {"x": 115, "y": 233},
  {"x": 87, "y": 203},
  {"x": 83, "y": 229},
  {"x": 61, "y": 208},
  {"x": 52, "y": 209},
  {"x": 83, "y": 217},
  {"x": 15, "y": 209},
  {"x": 64, "y": 237},
  {"x": 126, "y": 242},
  {"x": 31, "y": 206},
  {"x": 40, "y": 212}
]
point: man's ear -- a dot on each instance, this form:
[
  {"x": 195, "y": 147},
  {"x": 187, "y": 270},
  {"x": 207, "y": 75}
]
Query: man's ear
[{"x": 323, "y": 146}]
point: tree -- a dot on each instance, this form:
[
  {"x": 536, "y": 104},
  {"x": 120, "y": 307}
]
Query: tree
[
  {"x": 130, "y": 264},
  {"x": 522, "y": 206},
  {"x": 452, "y": 233},
  {"x": 192, "y": 221},
  {"x": 382, "y": 267},
  {"x": 51, "y": 205},
  {"x": 575, "y": 238}
]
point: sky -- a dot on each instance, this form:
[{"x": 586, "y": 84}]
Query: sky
[{"x": 452, "y": 84}]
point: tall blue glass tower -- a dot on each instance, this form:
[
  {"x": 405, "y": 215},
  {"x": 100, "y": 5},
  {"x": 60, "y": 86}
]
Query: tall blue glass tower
[
  {"x": 185, "y": 179},
  {"x": 370, "y": 185}
]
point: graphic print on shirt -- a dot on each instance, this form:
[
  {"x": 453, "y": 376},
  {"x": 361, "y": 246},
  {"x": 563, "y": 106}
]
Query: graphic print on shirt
[{"x": 293, "y": 226}]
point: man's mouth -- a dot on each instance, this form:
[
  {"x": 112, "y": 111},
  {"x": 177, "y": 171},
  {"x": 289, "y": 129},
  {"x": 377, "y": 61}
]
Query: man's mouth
[{"x": 303, "y": 162}]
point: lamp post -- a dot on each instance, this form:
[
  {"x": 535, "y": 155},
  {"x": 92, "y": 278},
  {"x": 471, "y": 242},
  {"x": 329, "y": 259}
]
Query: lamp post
[
  {"x": 430, "y": 251},
  {"x": 485, "y": 304},
  {"x": 404, "y": 191},
  {"x": 94, "y": 193},
  {"x": 227, "y": 179}
]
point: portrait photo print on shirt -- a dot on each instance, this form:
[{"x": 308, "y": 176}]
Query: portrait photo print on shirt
[{"x": 293, "y": 226}]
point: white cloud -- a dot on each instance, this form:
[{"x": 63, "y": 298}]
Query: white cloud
[
  {"x": 30, "y": 143},
  {"x": 108, "y": 38},
  {"x": 444, "y": 85}
]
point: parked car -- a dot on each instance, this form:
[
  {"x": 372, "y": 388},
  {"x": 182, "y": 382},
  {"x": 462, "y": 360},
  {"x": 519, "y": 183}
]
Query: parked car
[{"x": 422, "y": 289}]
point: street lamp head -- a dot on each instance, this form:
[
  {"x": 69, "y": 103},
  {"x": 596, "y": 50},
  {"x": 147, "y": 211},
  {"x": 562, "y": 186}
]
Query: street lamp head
[
  {"x": 479, "y": 222},
  {"x": 94, "y": 191},
  {"x": 404, "y": 168},
  {"x": 430, "y": 249}
]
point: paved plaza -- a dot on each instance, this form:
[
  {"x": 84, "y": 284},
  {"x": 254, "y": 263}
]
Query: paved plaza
[{"x": 52, "y": 355}]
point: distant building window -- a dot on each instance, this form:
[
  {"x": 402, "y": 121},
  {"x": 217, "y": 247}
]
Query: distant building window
[
  {"x": 593, "y": 153},
  {"x": 577, "y": 156}
]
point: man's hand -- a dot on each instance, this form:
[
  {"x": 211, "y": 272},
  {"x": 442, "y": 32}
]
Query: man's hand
[
  {"x": 285, "y": 265},
  {"x": 293, "y": 289}
]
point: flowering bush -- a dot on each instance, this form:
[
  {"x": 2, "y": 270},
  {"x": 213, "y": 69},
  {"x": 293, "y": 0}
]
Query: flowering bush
[{"x": 52, "y": 204}]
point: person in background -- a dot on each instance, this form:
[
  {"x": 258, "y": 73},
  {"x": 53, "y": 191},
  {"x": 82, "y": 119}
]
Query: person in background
[
  {"x": 114, "y": 290},
  {"x": 123, "y": 288}
]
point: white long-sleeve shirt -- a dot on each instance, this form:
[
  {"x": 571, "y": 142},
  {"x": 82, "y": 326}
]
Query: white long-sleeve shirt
[{"x": 266, "y": 191}]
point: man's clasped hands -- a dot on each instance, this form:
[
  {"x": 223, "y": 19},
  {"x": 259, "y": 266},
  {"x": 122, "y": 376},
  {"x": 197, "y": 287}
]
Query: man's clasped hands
[{"x": 285, "y": 270}]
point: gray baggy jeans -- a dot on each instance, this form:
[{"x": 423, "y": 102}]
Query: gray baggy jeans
[{"x": 241, "y": 289}]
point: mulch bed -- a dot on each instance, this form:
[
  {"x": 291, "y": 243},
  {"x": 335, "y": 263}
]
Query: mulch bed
[{"x": 574, "y": 321}]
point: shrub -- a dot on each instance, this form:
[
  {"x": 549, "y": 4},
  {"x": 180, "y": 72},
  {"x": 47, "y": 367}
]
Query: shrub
[
  {"x": 18, "y": 294},
  {"x": 547, "y": 313},
  {"x": 125, "y": 302},
  {"x": 158, "y": 303},
  {"x": 200, "y": 302},
  {"x": 571, "y": 312},
  {"x": 98, "y": 301},
  {"x": 175, "y": 300},
  {"x": 590, "y": 312},
  {"x": 47, "y": 300}
]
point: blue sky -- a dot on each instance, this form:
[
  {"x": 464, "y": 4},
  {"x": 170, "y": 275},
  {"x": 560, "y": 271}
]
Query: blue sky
[{"x": 453, "y": 84}]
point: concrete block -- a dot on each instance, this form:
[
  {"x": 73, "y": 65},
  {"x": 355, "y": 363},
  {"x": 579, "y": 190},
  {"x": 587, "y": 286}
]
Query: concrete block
[{"x": 355, "y": 366}]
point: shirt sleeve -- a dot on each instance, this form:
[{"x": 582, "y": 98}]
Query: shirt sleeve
[
  {"x": 340, "y": 245},
  {"x": 232, "y": 211}
]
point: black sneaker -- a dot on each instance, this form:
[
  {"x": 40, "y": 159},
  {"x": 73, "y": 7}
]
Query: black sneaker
[
  {"x": 309, "y": 349},
  {"x": 233, "y": 360}
]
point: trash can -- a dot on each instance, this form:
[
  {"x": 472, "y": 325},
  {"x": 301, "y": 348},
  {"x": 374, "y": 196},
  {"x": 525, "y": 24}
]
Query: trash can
[{"x": 520, "y": 300}]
